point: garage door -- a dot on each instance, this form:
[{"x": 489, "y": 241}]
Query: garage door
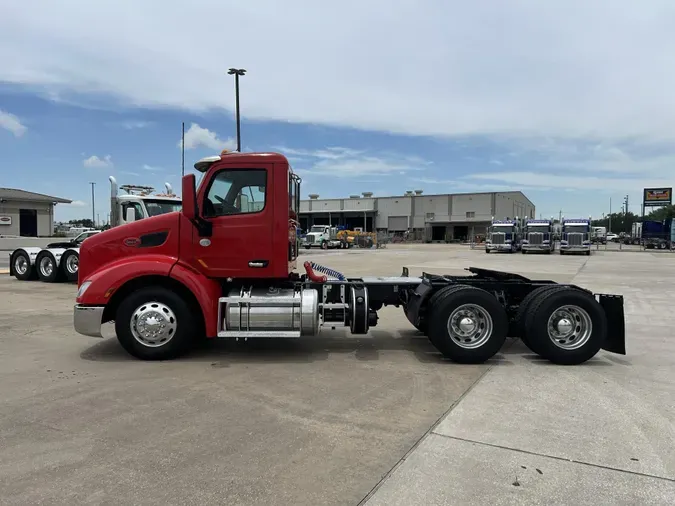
[{"x": 397, "y": 223}]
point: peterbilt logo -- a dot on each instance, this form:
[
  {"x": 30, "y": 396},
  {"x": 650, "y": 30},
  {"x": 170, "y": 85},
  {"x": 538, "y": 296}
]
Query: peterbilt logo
[{"x": 132, "y": 242}]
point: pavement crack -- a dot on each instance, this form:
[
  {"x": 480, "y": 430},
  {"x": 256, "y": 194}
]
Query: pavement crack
[
  {"x": 431, "y": 430},
  {"x": 554, "y": 457}
]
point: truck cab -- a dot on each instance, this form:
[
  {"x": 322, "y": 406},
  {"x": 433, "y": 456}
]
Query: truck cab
[
  {"x": 538, "y": 236},
  {"x": 320, "y": 236},
  {"x": 504, "y": 236},
  {"x": 575, "y": 236},
  {"x": 135, "y": 202}
]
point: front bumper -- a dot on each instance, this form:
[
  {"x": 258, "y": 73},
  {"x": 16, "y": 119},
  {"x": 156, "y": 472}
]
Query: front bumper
[
  {"x": 87, "y": 320},
  {"x": 499, "y": 247},
  {"x": 567, "y": 247},
  {"x": 536, "y": 247}
]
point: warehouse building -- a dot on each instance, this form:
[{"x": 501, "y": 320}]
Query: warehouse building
[
  {"x": 27, "y": 214},
  {"x": 423, "y": 217}
]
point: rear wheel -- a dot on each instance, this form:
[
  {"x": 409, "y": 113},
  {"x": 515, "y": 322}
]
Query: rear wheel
[
  {"x": 467, "y": 325},
  {"x": 47, "y": 270},
  {"x": 155, "y": 323},
  {"x": 523, "y": 309},
  {"x": 566, "y": 326},
  {"x": 70, "y": 264},
  {"x": 23, "y": 270}
]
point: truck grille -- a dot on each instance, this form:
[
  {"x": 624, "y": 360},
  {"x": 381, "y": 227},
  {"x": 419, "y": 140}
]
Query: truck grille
[
  {"x": 535, "y": 238},
  {"x": 309, "y": 238},
  {"x": 575, "y": 239},
  {"x": 498, "y": 237}
]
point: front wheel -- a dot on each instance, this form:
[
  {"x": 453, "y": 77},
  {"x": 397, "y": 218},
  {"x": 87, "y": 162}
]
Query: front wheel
[
  {"x": 324, "y": 245},
  {"x": 155, "y": 323},
  {"x": 468, "y": 325}
]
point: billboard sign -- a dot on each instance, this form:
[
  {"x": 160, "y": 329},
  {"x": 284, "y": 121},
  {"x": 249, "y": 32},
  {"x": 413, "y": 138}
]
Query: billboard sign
[
  {"x": 657, "y": 196},
  {"x": 5, "y": 220}
]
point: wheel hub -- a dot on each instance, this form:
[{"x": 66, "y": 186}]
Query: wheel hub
[
  {"x": 46, "y": 266},
  {"x": 153, "y": 324},
  {"x": 21, "y": 265},
  {"x": 72, "y": 264},
  {"x": 570, "y": 327},
  {"x": 470, "y": 326}
]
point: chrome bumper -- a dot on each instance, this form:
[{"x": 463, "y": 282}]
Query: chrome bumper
[{"x": 87, "y": 320}]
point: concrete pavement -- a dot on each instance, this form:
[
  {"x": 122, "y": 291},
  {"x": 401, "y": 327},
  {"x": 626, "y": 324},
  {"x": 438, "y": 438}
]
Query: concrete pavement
[
  {"x": 534, "y": 433},
  {"x": 338, "y": 419}
]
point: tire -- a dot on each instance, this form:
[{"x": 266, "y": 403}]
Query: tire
[
  {"x": 519, "y": 327},
  {"x": 487, "y": 250},
  {"x": 575, "y": 306},
  {"x": 47, "y": 270},
  {"x": 477, "y": 310},
  {"x": 588, "y": 253},
  {"x": 562, "y": 252},
  {"x": 308, "y": 247},
  {"x": 21, "y": 266},
  {"x": 324, "y": 245},
  {"x": 171, "y": 310},
  {"x": 70, "y": 264}
]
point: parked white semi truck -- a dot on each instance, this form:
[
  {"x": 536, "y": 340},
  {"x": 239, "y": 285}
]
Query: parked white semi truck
[
  {"x": 538, "y": 236},
  {"x": 504, "y": 235},
  {"x": 576, "y": 236},
  {"x": 324, "y": 237},
  {"x": 60, "y": 261}
]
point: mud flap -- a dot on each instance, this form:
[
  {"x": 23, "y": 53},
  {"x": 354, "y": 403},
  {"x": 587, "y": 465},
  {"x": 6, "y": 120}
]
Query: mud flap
[
  {"x": 11, "y": 265},
  {"x": 416, "y": 301},
  {"x": 616, "y": 324}
]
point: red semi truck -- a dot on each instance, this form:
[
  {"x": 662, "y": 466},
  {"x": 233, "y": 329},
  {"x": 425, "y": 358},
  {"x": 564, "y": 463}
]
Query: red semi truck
[{"x": 225, "y": 266}]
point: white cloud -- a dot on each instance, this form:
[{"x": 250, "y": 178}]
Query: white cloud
[
  {"x": 77, "y": 203},
  {"x": 132, "y": 125},
  {"x": 343, "y": 162},
  {"x": 152, "y": 169},
  {"x": 10, "y": 122},
  {"x": 559, "y": 68},
  {"x": 197, "y": 136},
  {"x": 95, "y": 162},
  {"x": 130, "y": 173}
]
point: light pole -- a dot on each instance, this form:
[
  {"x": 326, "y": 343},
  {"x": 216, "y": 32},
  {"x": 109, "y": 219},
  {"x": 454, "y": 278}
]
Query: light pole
[
  {"x": 236, "y": 73},
  {"x": 93, "y": 205}
]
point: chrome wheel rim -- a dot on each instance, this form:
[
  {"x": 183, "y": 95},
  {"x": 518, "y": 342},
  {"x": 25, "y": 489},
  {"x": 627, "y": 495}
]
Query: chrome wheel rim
[
  {"x": 21, "y": 265},
  {"x": 72, "y": 264},
  {"x": 570, "y": 327},
  {"x": 46, "y": 266},
  {"x": 153, "y": 324},
  {"x": 470, "y": 326}
]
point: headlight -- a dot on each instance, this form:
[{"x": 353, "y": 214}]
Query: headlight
[{"x": 83, "y": 288}]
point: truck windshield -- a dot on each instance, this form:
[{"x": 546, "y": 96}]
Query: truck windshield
[
  {"x": 580, "y": 229},
  {"x": 317, "y": 228},
  {"x": 157, "y": 207},
  {"x": 538, "y": 228}
]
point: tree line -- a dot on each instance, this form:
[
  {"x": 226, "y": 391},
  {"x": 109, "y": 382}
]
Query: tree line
[{"x": 622, "y": 222}]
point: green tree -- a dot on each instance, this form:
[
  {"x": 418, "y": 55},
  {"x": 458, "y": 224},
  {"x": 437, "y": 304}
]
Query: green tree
[
  {"x": 661, "y": 213},
  {"x": 620, "y": 222}
]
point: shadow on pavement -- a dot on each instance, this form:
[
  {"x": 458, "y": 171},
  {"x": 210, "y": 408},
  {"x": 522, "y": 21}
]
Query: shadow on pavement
[{"x": 223, "y": 352}]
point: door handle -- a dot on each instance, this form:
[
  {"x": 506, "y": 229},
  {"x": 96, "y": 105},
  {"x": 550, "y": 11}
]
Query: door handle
[{"x": 258, "y": 264}]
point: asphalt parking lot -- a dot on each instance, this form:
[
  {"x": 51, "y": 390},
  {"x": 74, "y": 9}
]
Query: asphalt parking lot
[{"x": 338, "y": 420}]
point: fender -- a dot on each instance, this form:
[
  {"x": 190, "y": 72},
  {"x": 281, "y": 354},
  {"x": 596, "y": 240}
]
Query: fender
[
  {"x": 31, "y": 251},
  {"x": 105, "y": 281},
  {"x": 207, "y": 291}
]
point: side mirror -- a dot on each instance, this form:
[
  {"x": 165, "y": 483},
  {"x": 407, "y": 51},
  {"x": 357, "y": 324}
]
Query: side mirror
[
  {"x": 189, "y": 197},
  {"x": 131, "y": 215}
]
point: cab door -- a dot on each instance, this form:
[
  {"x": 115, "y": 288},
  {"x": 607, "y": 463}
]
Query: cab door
[{"x": 238, "y": 203}]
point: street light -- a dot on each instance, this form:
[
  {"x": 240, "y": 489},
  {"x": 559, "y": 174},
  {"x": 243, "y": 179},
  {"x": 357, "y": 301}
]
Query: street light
[{"x": 236, "y": 73}]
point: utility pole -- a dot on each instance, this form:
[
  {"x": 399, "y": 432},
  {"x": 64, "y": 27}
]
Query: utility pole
[
  {"x": 236, "y": 73},
  {"x": 610, "y": 215},
  {"x": 93, "y": 204}
]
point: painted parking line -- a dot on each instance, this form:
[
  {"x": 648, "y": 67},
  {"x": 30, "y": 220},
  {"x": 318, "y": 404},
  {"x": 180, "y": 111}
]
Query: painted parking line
[{"x": 4, "y": 271}]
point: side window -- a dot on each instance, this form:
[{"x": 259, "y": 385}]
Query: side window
[
  {"x": 236, "y": 191},
  {"x": 138, "y": 211}
]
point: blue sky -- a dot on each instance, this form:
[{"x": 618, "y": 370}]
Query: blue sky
[{"x": 569, "y": 102}]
